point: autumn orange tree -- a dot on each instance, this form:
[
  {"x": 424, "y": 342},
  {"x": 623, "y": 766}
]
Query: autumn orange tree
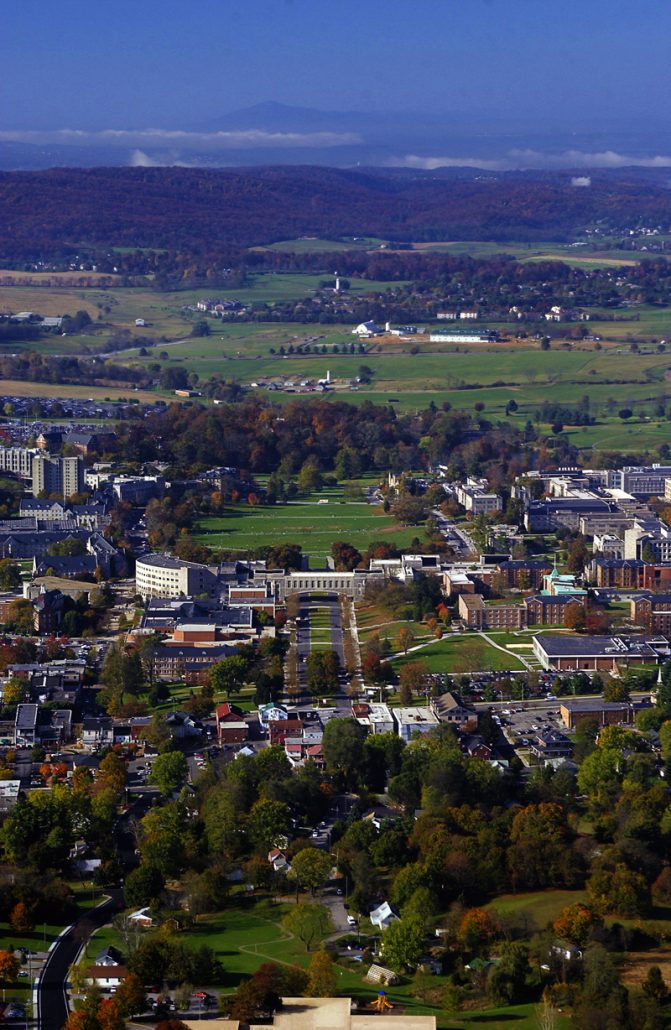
[
  {"x": 9, "y": 966},
  {"x": 575, "y": 923},
  {"x": 477, "y": 927},
  {"x": 19, "y": 918},
  {"x": 95, "y": 1014},
  {"x": 405, "y": 639}
]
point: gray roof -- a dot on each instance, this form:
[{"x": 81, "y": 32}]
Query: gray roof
[
  {"x": 26, "y": 717},
  {"x": 570, "y": 645}
]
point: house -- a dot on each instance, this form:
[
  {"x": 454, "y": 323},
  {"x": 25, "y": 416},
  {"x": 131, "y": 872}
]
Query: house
[
  {"x": 383, "y": 916},
  {"x": 551, "y": 745},
  {"x": 475, "y": 747},
  {"x": 182, "y": 725},
  {"x": 449, "y": 708},
  {"x": 280, "y": 729},
  {"x": 106, "y": 976},
  {"x": 231, "y": 725},
  {"x": 97, "y": 730},
  {"x": 566, "y": 951},
  {"x": 54, "y": 726},
  {"x": 379, "y": 815},
  {"x": 109, "y": 956},
  {"x": 278, "y": 861},
  {"x": 315, "y": 753},
  {"x": 141, "y": 917}
]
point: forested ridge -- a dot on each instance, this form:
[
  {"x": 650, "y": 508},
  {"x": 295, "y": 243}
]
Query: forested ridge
[{"x": 46, "y": 212}]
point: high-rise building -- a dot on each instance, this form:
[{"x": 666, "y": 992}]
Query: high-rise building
[{"x": 62, "y": 476}]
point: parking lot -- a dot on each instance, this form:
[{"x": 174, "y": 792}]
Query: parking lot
[{"x": 521, "y": 723}]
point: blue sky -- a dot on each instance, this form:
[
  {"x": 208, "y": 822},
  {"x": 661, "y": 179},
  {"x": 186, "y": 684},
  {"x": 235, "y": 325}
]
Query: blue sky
[{"x": 140, "y": 63}]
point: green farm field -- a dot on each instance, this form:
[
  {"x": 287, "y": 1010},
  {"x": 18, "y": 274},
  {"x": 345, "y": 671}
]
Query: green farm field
[
  {"x": 20, "y": 388},
  {"x": 577, "y": 256},
  {"x": 314, "y": 245},
  {"x": 314, "y": 526}
]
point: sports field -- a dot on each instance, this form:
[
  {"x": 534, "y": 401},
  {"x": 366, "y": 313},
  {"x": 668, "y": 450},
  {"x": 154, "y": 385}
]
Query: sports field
[{"x": 315, "y": 526}]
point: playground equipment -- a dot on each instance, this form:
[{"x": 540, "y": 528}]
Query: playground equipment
[{"x": 381, "y": 1003}]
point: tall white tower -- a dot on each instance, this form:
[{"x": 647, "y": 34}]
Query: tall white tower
[{"x": 337, "y": 283}]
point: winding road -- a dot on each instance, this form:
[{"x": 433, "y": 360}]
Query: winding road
[{"x": 51, "y": 1007}]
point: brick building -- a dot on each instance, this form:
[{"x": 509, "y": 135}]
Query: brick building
[{"x": 521, "y": 574}]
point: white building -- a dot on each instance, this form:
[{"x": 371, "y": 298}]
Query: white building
[
  {"x": 162, "y": 575},
  {"x": 364, "y": 329},
  {"x": 414, "y": 720},
  {"x": 475, "y": 497},
  {"x": 464, "y": 336},
  {"x": 18, "y": 460}
]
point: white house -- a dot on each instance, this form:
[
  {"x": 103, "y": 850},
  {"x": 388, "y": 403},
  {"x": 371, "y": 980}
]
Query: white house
[
  {"x": 278, "y": 861},
  {"x": 383, "y": 916},
  {"x": 106, "y": 976},
  {"x": 141, "y": 917},
  {"x": 367, "y": 329}
]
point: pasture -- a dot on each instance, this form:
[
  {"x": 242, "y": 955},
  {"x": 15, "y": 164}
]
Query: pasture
[
  {"x": 315, "y": 245},
  {"x": 19, "y": 388}
]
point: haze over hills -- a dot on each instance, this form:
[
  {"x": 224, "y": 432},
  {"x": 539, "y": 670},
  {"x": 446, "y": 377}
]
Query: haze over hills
[{"x": 275, "y": 133}]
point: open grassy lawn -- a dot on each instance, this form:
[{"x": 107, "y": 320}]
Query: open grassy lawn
[
  {"x": 308, "y": 523},
  {"x": 514, "y": 1017},
  {"x": 314, "y": 245},
  {"x": 535, "y": 909},
  {"x": 460, "y": 653}
]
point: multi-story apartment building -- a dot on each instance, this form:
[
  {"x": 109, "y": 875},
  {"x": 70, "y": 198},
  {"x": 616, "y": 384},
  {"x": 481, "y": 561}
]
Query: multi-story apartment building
[
  {"x": 18, "y": 460},
  {"x": 62, "y": 476}
]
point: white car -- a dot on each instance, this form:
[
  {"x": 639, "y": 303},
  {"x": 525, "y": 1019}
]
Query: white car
[{"x": 351, "y": 921}]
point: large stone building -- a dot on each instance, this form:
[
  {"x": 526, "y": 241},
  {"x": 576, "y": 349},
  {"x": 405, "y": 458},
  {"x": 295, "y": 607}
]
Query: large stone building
[{"x": 162, "y": 575}]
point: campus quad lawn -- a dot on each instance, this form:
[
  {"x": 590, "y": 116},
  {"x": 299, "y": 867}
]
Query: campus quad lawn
[
  {"x": 315, "y": 527},
  {"x": 464, "y": 652}
]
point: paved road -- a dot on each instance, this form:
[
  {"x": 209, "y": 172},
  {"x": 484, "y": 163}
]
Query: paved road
[
  {"x": 303, "y": 637},
  {"x": 456, "y": 535},
  {"x": 52, "y": 1007}
]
